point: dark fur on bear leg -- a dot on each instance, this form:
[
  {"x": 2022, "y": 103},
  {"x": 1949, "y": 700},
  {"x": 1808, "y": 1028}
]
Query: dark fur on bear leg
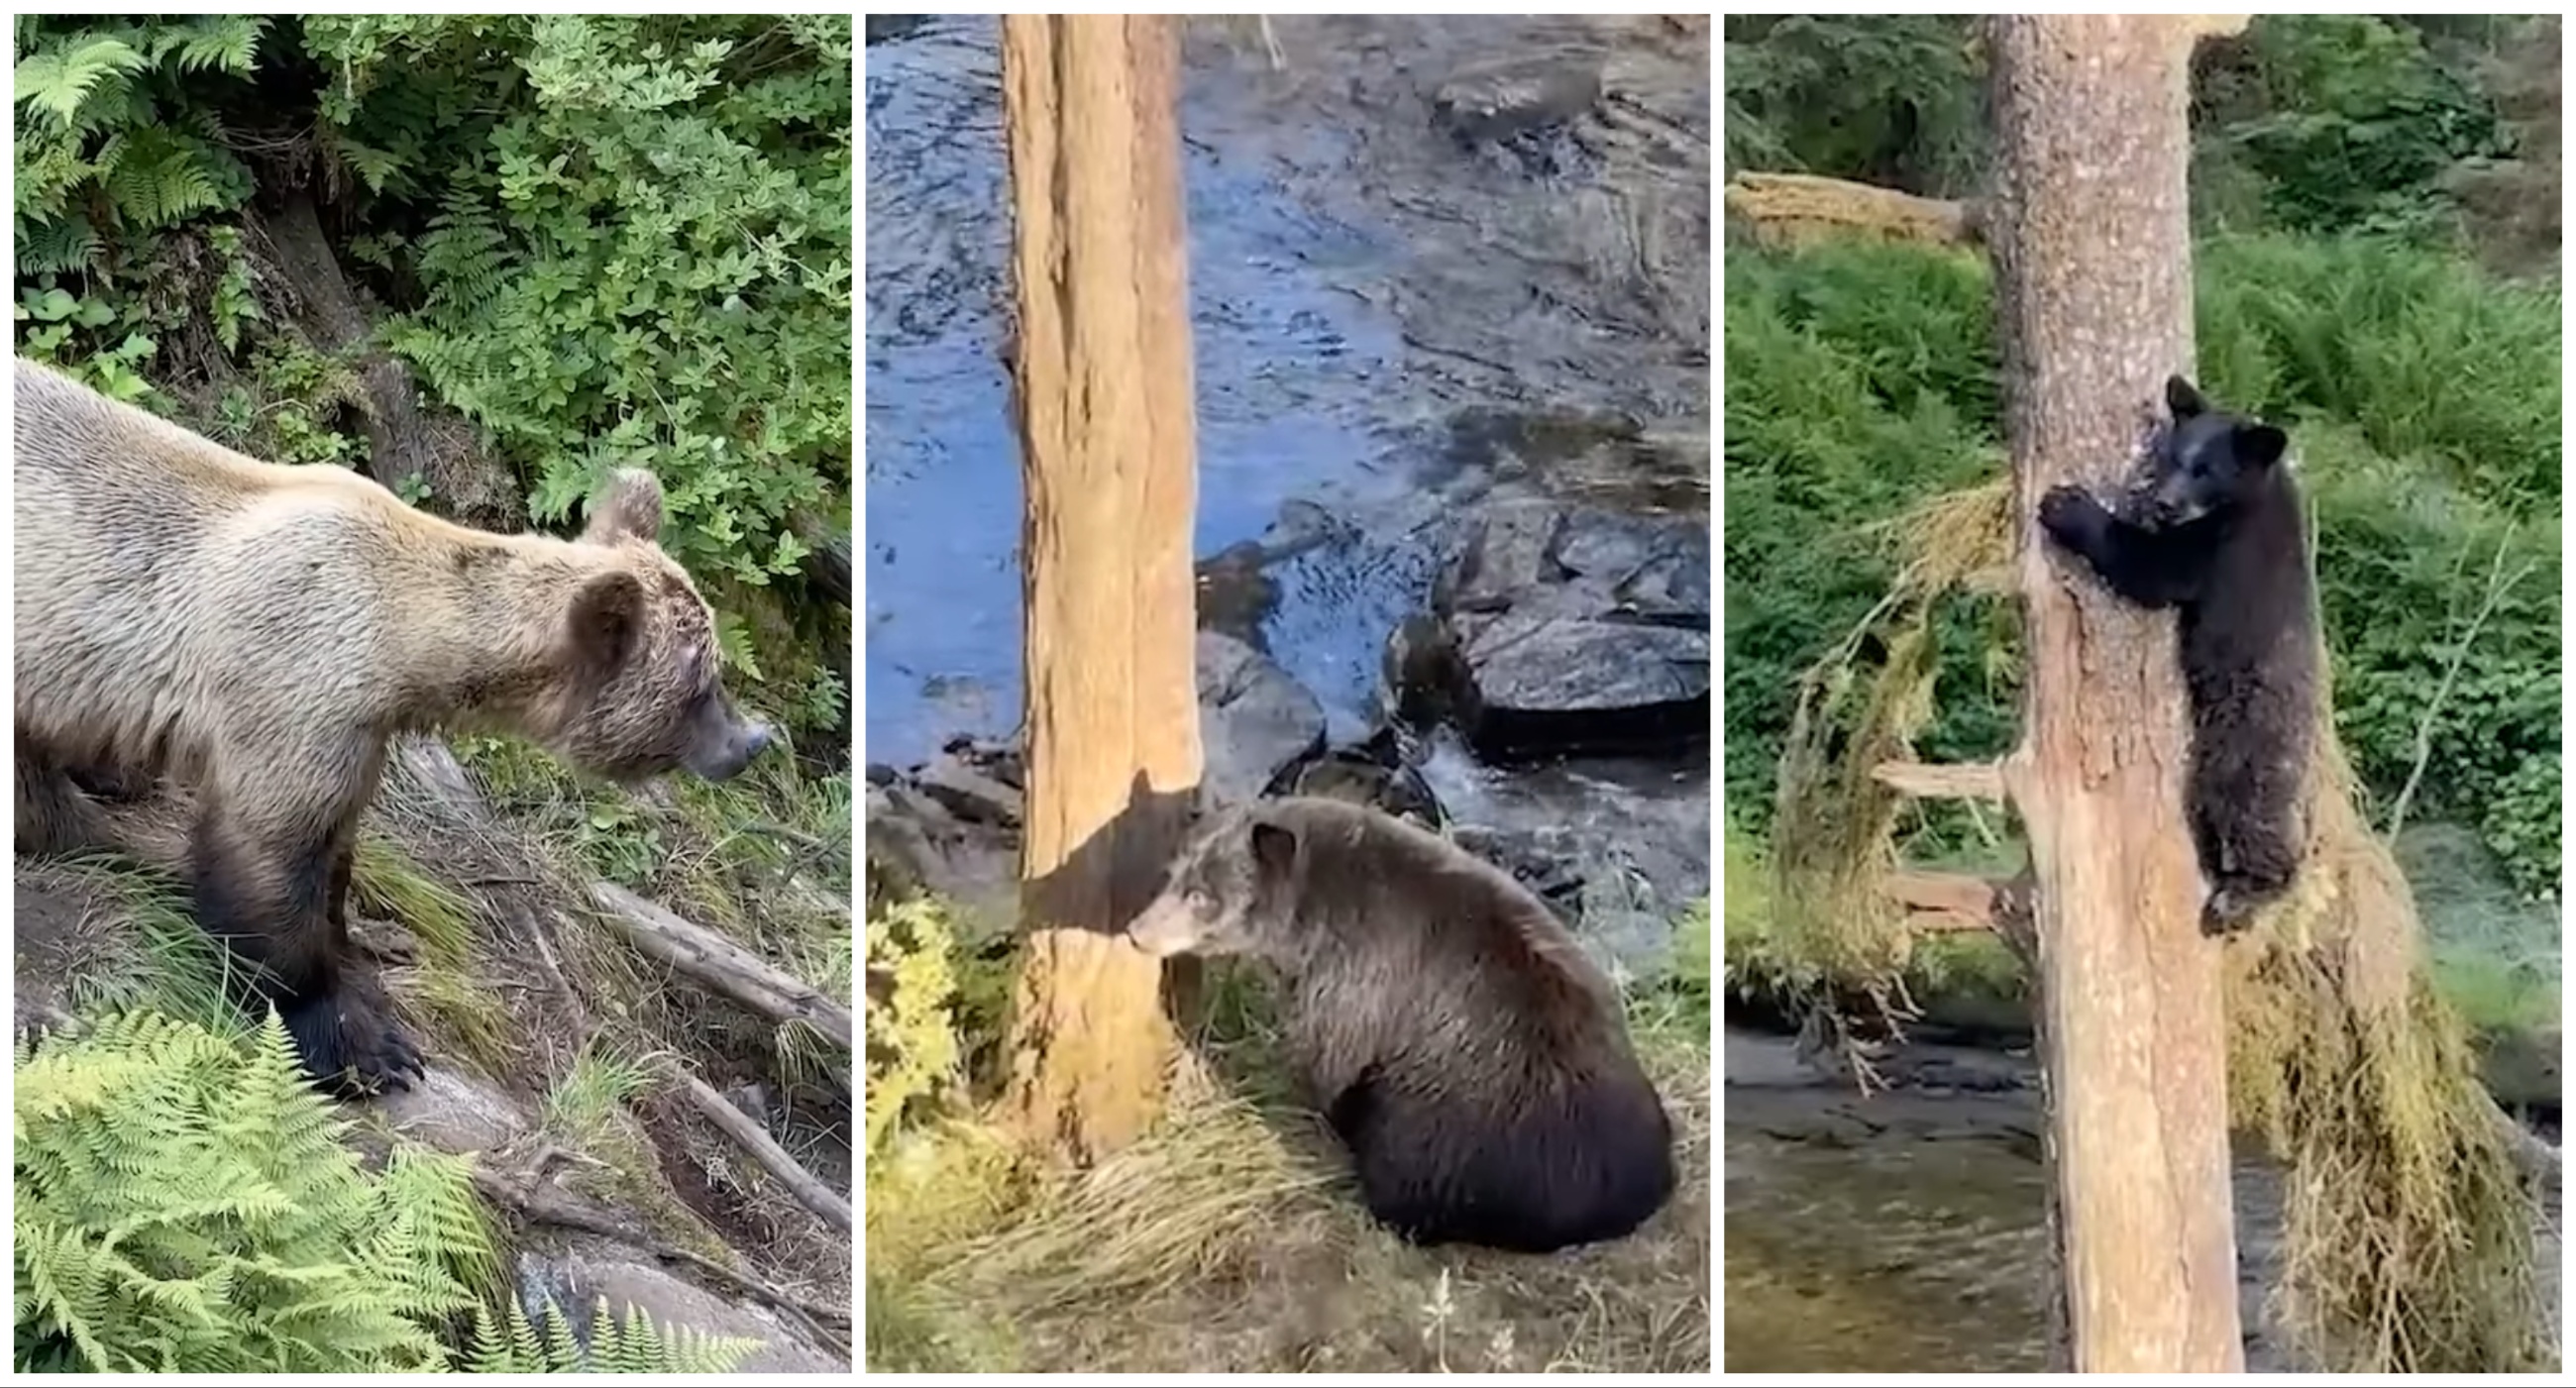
[
  {"x": 348, "y": 1047},
  {"x": 282, "y": 917}
]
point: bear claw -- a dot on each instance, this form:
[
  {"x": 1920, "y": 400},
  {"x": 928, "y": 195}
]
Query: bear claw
[
  {"x": 349, "y": 1049},
  {"x": 2223, "y": 914}
]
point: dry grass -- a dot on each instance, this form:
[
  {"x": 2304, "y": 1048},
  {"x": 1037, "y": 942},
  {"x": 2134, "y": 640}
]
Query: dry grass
[{"x": 1231, "y": 1241}]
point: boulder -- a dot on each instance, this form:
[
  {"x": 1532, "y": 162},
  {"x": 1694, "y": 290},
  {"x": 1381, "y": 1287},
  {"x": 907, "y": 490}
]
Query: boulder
[
  {"x": 1255, "y": 719},
  {"x": 1561, "y": 630},
  {"x": 1493, "y": 101}
]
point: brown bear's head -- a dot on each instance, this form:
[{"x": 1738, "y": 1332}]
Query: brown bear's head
[
  {"x": 643, "y": 694},
  {"x": 1232, "y": 890}
]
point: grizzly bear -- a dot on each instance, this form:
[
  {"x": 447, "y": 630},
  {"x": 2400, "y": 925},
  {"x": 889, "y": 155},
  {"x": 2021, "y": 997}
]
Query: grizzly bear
[
  {"x": 1471, "y": 1058},
  {"x": 2214, "y": 531},
  {"x": 257, "y": 633}
]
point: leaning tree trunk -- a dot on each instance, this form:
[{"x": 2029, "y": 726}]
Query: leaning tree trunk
[
  {"x": 2093, "y": 268},
  {"x": 1104, "y": 394}
]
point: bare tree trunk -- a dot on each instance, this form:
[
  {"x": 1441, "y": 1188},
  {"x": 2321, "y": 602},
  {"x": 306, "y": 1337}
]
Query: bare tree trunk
[
  {"x": 2093, "y": 265},
  {"x": 1104, "y": 394}
]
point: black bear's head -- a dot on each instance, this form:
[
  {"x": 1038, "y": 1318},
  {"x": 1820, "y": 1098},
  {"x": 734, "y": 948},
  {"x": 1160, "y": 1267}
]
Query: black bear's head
[{"x": 2206, "y": 462}]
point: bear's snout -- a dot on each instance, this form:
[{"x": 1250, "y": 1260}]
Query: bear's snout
[{"x": 723, "y": 757}]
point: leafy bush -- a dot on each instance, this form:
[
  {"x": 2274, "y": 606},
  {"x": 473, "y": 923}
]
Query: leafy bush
[
  {"x": 912, "y": 1038},
  {"x": 185, "y": 1206},
  {"x": 639, "y": 253},
  {"x": 2423, "y": 399},
  {"x": 2431, "y": 358},
  {"x": 1887, "y": 99},
  {"x": 2349, "y": 122}
]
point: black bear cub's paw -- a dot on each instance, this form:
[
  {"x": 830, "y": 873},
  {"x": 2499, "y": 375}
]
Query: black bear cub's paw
[
  {"x": 2226, "y": 913},
  {"x": 2067, "y": 512},
  {"x": 349, "y": 1046}
]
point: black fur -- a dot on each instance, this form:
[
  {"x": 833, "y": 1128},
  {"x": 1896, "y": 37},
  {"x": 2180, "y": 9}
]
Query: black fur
[
  {"x": 1472, "y": 1060},
  {"x": 347, "y": 1042},
  {"x": 2214, "y": 531}
]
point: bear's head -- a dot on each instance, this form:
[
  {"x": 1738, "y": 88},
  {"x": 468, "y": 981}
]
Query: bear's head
[
  {"x": 1232, "y": 890},
  {"x": 2205, "y": 462},
  {"x": 642, "y": 693}
]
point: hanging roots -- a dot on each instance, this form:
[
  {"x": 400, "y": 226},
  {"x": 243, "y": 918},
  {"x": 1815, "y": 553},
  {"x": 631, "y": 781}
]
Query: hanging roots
[
  {"x": 2409, "y": 1244},
  {"x": 1833, "y": 841}
]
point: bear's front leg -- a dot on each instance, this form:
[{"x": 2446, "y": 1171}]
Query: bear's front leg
[
  {"x": 2132, "y": 562},
  {"x": 273, "y": 893}
]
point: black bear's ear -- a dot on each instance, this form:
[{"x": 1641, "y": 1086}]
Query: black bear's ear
[
  {"x": 1274, "y": 850},
  {"x": 2182, "y": 400},
  {"x": 2260, "y": 445}
]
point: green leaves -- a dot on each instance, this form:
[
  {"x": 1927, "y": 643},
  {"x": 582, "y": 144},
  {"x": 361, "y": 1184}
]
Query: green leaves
[
  {"x": 56, "y": 82},
  {"x": 184, "y": 1205},
  {"x": 647, "y": 264},
  {"x": 2423, "y": 396}
]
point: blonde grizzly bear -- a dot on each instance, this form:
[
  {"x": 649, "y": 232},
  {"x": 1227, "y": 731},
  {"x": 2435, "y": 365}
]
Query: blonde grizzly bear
[{"x": 257, "y": 633}]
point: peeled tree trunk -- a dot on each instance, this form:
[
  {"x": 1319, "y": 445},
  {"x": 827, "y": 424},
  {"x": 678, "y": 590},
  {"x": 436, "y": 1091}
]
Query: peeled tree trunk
[
  {"x": 1103, "y": 387},
  {"x": 2093, "y": 271}
]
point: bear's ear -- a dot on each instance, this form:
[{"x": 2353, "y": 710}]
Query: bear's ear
[
  {"x": 606, "y": 619},
  {"x": 1274, "y": 851},
  {"x": 2259, "y": 446},
  {"x": 631, "y": 509},
  {"x": 2182, "y": 400}
]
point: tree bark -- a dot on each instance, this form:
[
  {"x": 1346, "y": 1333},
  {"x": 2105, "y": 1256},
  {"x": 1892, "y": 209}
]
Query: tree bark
[
  {"x": 2093, "y": 269},
  {"x": 1104, "y": 396}
]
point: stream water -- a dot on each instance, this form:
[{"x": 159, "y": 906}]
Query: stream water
[
  {"x": 1391, "y": 327},
  {"x": 1904, "y": 1232}
]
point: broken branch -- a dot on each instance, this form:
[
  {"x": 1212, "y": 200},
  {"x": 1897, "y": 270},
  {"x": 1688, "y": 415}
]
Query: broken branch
[
  {"x": 1978, "y": 780},
  {"x": 720, "y": 964},
  {"x": 808, "y": 1189}
]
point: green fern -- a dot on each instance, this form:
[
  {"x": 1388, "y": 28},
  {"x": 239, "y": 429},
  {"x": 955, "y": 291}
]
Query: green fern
[
  {"x": 58, "y": 82},
  {"x": 513, "y": 1345},
  {"x": 185, "y": 1206}
]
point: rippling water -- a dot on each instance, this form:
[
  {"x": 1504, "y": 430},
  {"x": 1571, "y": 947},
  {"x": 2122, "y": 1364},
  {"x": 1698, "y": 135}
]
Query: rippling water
[{"x": 1356, "y": 282}]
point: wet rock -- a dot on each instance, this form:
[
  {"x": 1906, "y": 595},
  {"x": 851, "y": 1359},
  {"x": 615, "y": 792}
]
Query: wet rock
[
  {"x": 1492, "y": 102},
  {"x": 968, "y": 791},
  {"x": 886, "y": 28},
  {"x": 994, "y": 757},
  {"x": 576, "y": 1272},
  {"x": 951, "y": 827},
  {"x": 1236, "y": 592},
  {"x": 1375, "y": 772},
  {"x": 915, "y": 846},
  {"x": 1566, "y": 630},
  {"x": 1254, "y": 718},
  {"x": 1538, "y": 858}
]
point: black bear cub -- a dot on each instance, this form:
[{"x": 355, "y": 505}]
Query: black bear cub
[
  {"x": 2214, "y": 531},
  {"x": 1471, "y": 1058}
]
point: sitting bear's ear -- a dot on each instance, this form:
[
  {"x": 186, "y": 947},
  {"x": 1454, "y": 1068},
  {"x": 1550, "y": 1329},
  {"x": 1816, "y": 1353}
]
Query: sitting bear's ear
[
  {"x": 2182, "y": 400},
  {"x": 2260, "y": 445},
  {"x": 1274, "y": 851}
]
